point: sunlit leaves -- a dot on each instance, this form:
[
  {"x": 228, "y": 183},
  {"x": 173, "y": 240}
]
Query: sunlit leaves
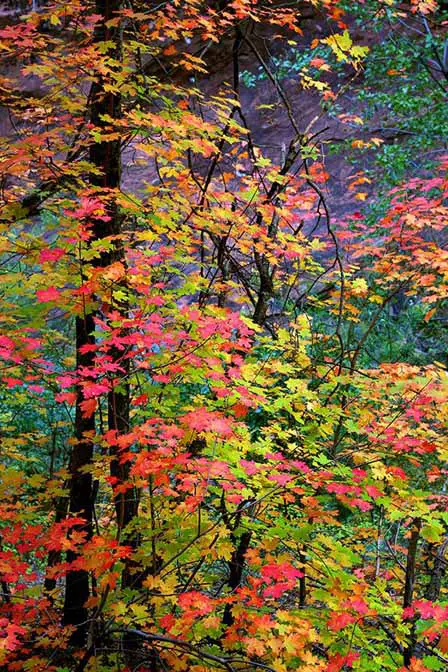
[
  {"x": 282, "y": 449},
  {"x": 344, "y": 49}
]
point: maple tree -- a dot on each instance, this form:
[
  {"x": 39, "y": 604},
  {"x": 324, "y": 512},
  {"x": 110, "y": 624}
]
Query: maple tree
[{"x": 203, "y": 465}]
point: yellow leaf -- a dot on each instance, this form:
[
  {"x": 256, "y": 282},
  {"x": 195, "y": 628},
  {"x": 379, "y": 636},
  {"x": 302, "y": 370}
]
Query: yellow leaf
[
  {"x": 359, "y": 287},
  {"x": 342, "y": 46}
]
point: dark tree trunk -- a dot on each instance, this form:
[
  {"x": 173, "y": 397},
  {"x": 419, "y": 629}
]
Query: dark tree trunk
[
  {"x": 411, "y": 563},
  {"x": 54, "y": 556},
  {"x": 106, "y": 157},
  {"x": 80, "y": 499},
  {"x": 236, "y": 568},
  {"x": 438, "y": 570}
]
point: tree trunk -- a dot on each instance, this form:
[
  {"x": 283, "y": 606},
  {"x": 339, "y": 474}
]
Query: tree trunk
[
  {"x": 236, "y": 568},
  {"x": 411, "y": 563},
  {"x": 438, "y": 570},
  {"x": 106, "y": 157},
  {"x": 81, "y": 500}
]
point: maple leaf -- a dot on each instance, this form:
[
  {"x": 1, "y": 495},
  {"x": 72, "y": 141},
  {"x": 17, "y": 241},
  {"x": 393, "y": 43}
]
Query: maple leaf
[
  {"x": 359, "y": 605},
  {"x": 12, "y": 382},
  {"x": 69, "y": 397},
  {"x": 362, "y": 504},
  {"x": 281, "y": 479},
  {"x": 7, "y": 346},
  {"x": 48, "y": 295},
  {"x": 338, "y": 621},
  {"x": 277, "y": 590},
  {"x": 338, "y": 661},
  {"x": 250, "y": 467},
  {"x": 88, "y": 407},
  {"x": 240, "y": 410},
  {"x": 202, "y": 420},
  {"x": 50, "y": 255},
  {"x": 167, "y": 622},
  {"x": 415, "y": 666},
  {"x": 88, "y": 208},
  {"x": 373, "y": 491},
  {"x": 424, "y": 6},
  {"x": 195, "y": 603},
  {"x": 255, "y": 647},
  {"x": 344, "y": 49},
  {"x": 284, "y": 572},
  {"x": 9, "y": 634},
  {"x": 408, "y": 612},
  {"x": 359, "y": 286},
  {"x": 91, "y": 389}
]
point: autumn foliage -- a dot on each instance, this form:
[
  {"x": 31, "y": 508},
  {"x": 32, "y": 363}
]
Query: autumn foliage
[{"x": 203, "y": 466}]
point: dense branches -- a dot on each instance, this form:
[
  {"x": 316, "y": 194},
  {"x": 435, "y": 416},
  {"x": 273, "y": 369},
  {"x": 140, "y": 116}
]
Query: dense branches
[{"x": 222, "y": 401}]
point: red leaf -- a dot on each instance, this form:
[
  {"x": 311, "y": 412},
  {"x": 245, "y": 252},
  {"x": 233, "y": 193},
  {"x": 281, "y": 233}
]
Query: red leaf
[
  {"x": 88, "y": 407},
  {"x": 337, "y": 662},
  {"x": 69, "y": 397},
  {"x": 195, "y": 603},
  {"x": 46, "y": 295},
  {"x": 50, "y": 254},
  {"x": 281, "y": 571},
  {"x": 12, "y": 382},
  {"x": 338, "y": 622},
  {"x": 91, "y": 390},
  {"x": 373, "y": 491},
  {"x": 202, "y": 420}
]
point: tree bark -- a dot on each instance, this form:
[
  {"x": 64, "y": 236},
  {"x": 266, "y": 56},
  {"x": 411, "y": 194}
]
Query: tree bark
[
  {"x": 236, "y": 568},
  {"x": 438, "y": 571},
  {"x": 106, "y": 157},
  {"x": 409, "y": 586},
  {"x": 80, "y": 499}
]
